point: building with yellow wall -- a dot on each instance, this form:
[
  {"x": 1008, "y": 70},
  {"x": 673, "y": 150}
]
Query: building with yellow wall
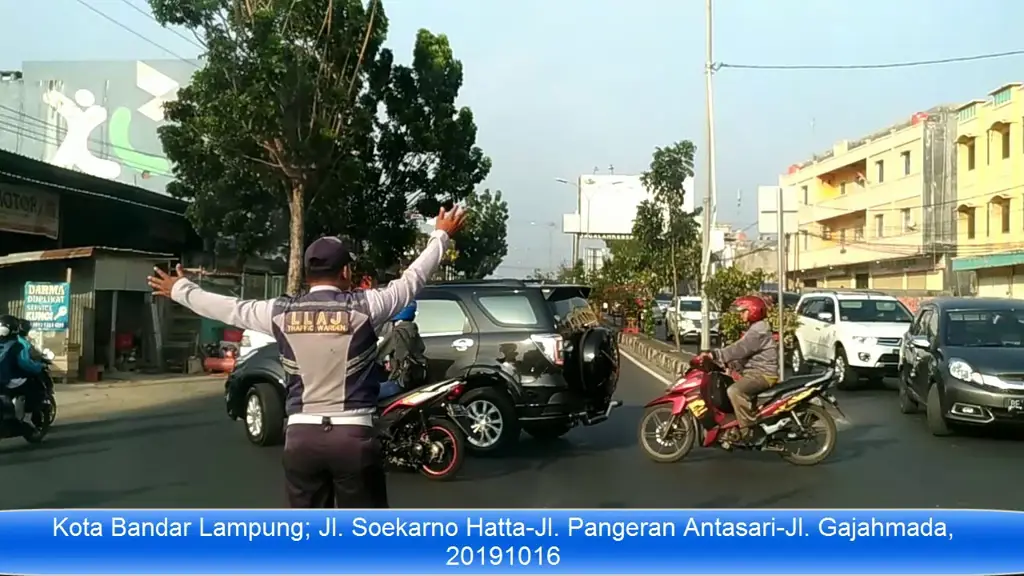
[
  {"x": 990, "y": 192},
  {"x": 871, "y": 211}
]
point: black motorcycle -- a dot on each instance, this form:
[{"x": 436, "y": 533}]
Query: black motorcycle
[
  {"x": 422, "y": 429},
  {"x": 15, "y": 417}
]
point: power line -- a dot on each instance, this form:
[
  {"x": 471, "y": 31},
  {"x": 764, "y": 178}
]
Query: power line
[
  {"x": 89, "y": 192},
  {"x": 875, "y": 66},
  {"x": 139, "y": 35},
  {"x": 129, "y": 4}
]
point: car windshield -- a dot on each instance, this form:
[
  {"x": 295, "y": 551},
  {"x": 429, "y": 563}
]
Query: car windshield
[
  {"x": 873, "y": 311},
  {"x": 985, "y": 328},
  {"x": 689, "y": 305}
]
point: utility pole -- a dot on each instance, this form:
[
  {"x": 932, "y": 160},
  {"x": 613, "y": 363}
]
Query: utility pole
[{"x": 709, "y": 194}]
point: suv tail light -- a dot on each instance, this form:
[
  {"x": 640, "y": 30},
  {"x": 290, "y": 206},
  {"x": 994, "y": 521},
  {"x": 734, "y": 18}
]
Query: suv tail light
[{"x": 551, "y": 346}]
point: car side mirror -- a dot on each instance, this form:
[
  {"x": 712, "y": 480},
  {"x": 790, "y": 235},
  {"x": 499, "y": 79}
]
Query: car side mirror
[
  {"x": 920, "y": 342},
  {"x": 825, "y": 316}
]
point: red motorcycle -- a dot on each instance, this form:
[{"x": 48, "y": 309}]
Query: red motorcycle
[{"x": 790, "y": 413}]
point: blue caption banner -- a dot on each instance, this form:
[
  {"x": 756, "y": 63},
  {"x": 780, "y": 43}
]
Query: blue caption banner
[{"x": 511, "y": 542}]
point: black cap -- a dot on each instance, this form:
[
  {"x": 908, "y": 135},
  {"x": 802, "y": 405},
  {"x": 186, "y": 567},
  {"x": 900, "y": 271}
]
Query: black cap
[{"x": 328, "y": 254}]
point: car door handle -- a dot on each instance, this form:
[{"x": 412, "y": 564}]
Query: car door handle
[{"x": 462, "y": 344}]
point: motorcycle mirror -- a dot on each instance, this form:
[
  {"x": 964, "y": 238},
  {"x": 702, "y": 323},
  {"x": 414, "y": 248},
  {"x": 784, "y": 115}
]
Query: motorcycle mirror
[{"x": 48, "y": 354}]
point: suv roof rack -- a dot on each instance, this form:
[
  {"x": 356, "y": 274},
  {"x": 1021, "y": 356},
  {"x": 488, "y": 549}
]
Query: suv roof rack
[
  {"x": 847, "y": 291},
  {"x": 509, "y": 282}
]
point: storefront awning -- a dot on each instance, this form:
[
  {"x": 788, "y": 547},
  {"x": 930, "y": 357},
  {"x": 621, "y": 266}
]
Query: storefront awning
[{"x": 966, "y": 263}]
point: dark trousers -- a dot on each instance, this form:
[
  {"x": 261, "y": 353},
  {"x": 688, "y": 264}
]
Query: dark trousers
[{"x": 334, "y": 467}]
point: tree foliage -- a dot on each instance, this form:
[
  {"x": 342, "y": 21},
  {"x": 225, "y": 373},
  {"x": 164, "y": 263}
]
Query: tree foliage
[
  {"x": 669, "y": 234},
  {"x": 729, "y": 283},
  {"x": 482, "y": 243},
  {"x": 301, "y": 124}
]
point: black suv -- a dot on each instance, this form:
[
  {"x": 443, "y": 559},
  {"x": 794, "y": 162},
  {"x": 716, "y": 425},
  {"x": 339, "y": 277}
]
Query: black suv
[{"x": 534, "y": 355}]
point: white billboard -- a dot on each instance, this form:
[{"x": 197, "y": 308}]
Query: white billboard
[
  {"x": 768, "y": 209},
  {"x": 607, "y": 205}
]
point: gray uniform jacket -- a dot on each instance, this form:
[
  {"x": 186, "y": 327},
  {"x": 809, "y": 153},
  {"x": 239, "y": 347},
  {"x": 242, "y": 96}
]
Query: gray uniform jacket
[
  {"x": 757, "y": 351},
  {"x": 327, "y": 337}
]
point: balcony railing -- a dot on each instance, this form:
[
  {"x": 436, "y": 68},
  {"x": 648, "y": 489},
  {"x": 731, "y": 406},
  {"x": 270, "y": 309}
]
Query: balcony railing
[{"x": 855, "y": 252}]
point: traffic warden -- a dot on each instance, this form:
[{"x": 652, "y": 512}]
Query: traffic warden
[{"x": 328, "y": 343}]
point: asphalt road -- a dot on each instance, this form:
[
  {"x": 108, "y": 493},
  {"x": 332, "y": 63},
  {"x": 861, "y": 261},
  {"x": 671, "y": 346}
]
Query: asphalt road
[{"x": 190, "y": 455}]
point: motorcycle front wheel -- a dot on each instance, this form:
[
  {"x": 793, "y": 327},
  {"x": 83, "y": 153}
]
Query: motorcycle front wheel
[
  {"x": 446, "y": 447},
  {"x": 821, "y": 428},
  {"x": 665, "y": 437}
]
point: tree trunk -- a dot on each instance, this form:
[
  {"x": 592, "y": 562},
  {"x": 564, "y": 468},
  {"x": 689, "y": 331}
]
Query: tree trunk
[
  {"x": 296, "y": 236},
  {"x": 675, "y": 289}
]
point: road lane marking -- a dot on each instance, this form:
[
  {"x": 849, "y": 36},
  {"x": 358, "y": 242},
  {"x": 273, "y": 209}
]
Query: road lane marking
[
  {"x": 841, "y": 422},
  {"x": 650, "y": 371}
]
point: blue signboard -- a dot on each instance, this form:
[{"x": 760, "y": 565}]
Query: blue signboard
[{"x": 47, "y": 305}]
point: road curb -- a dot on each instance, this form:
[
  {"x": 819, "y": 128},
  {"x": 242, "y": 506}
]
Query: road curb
[
  {"x": 156, "y": 381},
  {"x": 652, "y": 355}
]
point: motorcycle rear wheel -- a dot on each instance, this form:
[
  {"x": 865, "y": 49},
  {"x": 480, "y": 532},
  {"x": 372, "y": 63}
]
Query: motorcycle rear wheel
[
  {"x": 812, "y": 416},
  {"x": 454, "y": 449},
  {"x": 681, "y": 438}
]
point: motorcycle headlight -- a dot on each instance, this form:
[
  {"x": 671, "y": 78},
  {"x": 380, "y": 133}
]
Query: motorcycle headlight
[
  {"x": 961, "y": 370},
  {"x": 866, "y": 340}
]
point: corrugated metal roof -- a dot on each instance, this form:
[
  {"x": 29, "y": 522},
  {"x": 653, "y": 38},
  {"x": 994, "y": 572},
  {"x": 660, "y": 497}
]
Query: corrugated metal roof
[{"x": 75, "y": 253}]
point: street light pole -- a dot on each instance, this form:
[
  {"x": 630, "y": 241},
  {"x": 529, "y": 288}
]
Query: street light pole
[{"x": 709, "y": 194}]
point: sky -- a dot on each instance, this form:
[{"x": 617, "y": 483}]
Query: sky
[{"x": 559, "y": 88}]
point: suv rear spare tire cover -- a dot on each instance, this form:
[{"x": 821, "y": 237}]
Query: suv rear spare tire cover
[{"x": 599, "y": 362}]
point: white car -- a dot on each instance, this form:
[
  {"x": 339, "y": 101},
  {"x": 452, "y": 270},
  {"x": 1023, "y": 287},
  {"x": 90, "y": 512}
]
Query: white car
[
  {"x": 686, "y": 319},
  {"x": 860, "y": 331},
  {"x": 253, "y": 341}
]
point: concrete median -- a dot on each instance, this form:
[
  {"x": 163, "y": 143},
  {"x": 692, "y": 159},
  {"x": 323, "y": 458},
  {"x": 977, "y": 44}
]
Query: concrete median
[{"x": 655, "y": 355}]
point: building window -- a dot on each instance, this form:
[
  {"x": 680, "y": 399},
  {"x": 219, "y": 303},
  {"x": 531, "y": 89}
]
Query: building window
[
  {"x": 966, "y": 113},
  {"x": 842, "y": 189},
  {"x": 970, "y": 223},
  {"x": 858, "y": 234},
  {"x": 906, "y": 162},
  {"x": 970, "y": 155},
  {"x": 1001, "y": 97},
  {"x": 905, "y": 222},
  {"x": 826, "y": 232},
  {"x": 880, "y": 171},
  {"x": 804, "y": 190},
  {"x": 842, "y": 236},
  {"x": 1004, "y": 209},
  {"x": 1004, "y": 135},
  {"x": 879, "y": 229},
  {"x": 861, "y": 281}
]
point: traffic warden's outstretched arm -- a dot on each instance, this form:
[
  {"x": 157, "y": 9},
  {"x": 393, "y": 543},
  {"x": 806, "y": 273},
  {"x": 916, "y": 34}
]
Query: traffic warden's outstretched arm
[
  {"x": 384, "y": 303},
  {"x": 245, "y": 314}
]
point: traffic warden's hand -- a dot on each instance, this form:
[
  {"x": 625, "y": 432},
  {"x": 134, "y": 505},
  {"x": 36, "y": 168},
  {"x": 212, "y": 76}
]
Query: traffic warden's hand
[
  {"x": 162, "y": 283},
  {"x": 451, "y": 222}
]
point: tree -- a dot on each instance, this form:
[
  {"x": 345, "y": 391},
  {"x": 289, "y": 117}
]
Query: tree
[
  {"x": 300, "y": 124},
  {"x": 728, "y": 284},
  {"x": 482, "y": 244},
  {"x": 661, "y": 225}
]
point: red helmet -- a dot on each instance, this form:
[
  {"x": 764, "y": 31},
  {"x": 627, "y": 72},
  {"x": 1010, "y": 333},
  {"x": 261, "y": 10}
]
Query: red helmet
[{"x": 754, "y": 305}]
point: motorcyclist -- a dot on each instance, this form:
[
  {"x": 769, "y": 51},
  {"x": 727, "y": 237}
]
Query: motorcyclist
[
  {"x": 403, "y": 347},
  {"x": 17, "y": 366},
  {"x": 755, "y": 356}
]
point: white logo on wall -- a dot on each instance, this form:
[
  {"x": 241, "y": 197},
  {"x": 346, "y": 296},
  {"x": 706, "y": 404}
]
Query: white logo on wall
[
  {"x": 82, "y": 116},
  {"x": 158, "y": 85}
]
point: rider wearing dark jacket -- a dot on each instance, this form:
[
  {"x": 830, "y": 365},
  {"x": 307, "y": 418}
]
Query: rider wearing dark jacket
[{"x": 403, "y": 347}]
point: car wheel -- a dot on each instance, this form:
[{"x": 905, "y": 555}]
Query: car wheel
[
  {"x": 846, "y": 375},
  {"x": 492, "y": 421},
  {"x": 546, "y": 431},
  {"x": 264, "y": 415},
  {"x": 796, "y": 361},
  {"x": 907, "y": 404},
  {"x": 937, "y": 423}
]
